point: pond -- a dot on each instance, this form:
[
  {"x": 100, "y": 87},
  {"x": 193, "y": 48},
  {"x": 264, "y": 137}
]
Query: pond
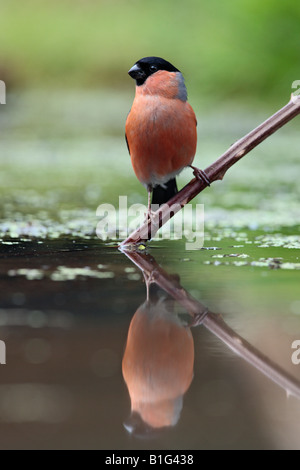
[{"x": 210, "y": 359}]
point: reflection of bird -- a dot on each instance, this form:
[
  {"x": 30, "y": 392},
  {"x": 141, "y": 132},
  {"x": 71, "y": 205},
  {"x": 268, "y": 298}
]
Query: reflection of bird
[
  {"x": 157, "y": 364},
  {"x": 160, "y": 128}
]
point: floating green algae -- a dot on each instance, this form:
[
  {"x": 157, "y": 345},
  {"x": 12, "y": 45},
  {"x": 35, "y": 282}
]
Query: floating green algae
[
  {"x": 64, "y": 273},
  {"x": 30, "y": 274}
]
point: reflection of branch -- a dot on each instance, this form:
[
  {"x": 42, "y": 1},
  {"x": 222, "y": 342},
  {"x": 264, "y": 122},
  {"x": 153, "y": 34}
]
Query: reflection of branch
[
  {"x": 214, "y": 323},
  {"x": 249, "y": 353},
  {"x": 214, "y": 172},
  {"x": 154, "y": 273}
]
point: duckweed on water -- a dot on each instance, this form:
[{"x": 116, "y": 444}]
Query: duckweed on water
[
  {"x": 134, "y": 277},
  {"x": 130, "y": 269},
  {"x": 231, "y": 255},
  {"x": 30, "y": 274},
  {"x": 272, "y": 263},
  {"x": 62, "y": 273},
  {"x": 279, "y": 240}
]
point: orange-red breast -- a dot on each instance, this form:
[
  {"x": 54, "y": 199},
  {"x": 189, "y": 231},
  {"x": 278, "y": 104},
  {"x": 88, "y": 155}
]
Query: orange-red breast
[
  {"x": 158, "y": 364},
  {"x": 160, "y": 128}
]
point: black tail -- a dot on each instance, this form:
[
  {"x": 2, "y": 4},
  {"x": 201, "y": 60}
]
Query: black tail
[{"x": 161, "y": 195}]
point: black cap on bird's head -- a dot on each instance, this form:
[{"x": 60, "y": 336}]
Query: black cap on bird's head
[{"x": 145, "y": 67}]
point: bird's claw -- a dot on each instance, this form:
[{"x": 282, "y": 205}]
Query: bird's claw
[
  {"x": 201, "y": 175},
  {"x": 149, "y": 216},
  {"x": 149, "y": 279},
  {"x": 198, "y": 319}
]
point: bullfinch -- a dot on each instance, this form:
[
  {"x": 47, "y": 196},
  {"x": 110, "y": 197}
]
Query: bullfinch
[
  {"x": 160, "y": 128},
  {"x": 157, "y": 366}
]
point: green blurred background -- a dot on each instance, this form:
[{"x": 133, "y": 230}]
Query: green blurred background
[{"x": 242, "y": 49}]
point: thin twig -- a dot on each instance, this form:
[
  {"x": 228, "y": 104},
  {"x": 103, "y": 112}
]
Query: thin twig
[
  {"x": 213, "y": 322},
  {"x": 155, "y": 273},
  {"x": 214, "y": 172}
]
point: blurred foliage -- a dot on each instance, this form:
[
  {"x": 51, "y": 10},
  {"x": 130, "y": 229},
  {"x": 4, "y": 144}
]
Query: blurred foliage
[{"x": 227, "y": 50}]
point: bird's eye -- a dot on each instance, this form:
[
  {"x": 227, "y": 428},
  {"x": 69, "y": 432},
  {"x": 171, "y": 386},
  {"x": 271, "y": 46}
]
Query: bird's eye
[{"x": 153, "y": 68}]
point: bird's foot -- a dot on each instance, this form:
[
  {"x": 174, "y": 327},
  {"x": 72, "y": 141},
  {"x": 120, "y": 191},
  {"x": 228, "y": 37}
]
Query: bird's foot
[
  {"x": 149, "y": 215},
  {"x": 201, "y": 175},
  {"x": 149, "y": 279},
  {"x": 198, "y": 319}
]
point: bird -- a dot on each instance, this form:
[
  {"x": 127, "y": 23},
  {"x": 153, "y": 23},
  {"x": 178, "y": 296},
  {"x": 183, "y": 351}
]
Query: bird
[
  {"x": 160, "y": 129},
  {"x": 157, "y": 365}
]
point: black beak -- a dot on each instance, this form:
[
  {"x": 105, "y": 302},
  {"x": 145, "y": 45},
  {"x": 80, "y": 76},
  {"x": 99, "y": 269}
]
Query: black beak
[{"x": 137, "y": 73}]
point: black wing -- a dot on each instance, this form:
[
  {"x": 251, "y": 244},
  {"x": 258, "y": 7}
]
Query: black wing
[{"x": 127, "y": 143}]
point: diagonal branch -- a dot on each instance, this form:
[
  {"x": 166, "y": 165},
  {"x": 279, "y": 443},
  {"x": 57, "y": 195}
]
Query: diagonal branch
[
  {"x": 214, "y": 323},
  {"x": 215, "y": 171}
]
